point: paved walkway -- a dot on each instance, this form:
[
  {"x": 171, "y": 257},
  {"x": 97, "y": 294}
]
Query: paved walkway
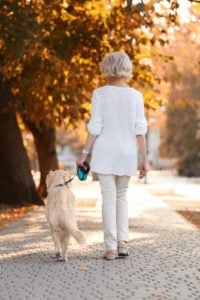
[{"x": 164, "y": 261}]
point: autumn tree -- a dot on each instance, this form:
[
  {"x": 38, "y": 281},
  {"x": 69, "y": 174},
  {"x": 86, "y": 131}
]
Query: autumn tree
[
  {"x": 50, "y": 52},
  {"x": 181, "y": 136},
  {"x": 16, "y": 183},
  {"x": 45, "y": 61}
]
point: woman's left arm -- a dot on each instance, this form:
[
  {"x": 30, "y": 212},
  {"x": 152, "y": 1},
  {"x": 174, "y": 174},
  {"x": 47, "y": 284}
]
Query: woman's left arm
[
  {"x": 94, "y": 127},
  {"x": 87, "y": 149}
]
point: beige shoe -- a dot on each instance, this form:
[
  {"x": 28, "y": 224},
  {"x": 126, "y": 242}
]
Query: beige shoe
[
  {"x": 123, "y": 248},
  {"x": 110, "y": 255}
]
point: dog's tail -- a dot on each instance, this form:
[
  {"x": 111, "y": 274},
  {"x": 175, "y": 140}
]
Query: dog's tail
[{"x": 76, "y": 233}]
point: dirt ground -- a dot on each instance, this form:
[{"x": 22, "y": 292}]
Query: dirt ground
[
  {"x": 188, "y": 209},
  {"x": 9, "y": 214}
]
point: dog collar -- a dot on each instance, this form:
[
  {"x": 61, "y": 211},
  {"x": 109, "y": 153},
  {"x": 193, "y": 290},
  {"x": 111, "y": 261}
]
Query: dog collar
[{"x": 63, "y": 184}]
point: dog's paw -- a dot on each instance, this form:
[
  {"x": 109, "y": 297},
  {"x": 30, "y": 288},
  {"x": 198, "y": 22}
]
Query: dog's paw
[
  {"x": 62, "y": 259},
  {"x": 56, "y": 255}
]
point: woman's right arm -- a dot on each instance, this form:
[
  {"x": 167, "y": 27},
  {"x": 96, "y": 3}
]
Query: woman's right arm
[
  {"x": 143, "y": 163},
  {"x": 140, "y": 131}
]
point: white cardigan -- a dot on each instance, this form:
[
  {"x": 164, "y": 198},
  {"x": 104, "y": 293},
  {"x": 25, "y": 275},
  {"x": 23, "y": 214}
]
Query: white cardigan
[{"x": 117, "y": 117}]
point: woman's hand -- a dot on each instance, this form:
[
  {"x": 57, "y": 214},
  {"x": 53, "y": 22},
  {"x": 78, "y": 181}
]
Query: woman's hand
[
  {"x": 143, "y": 168},
  {"x": 81, "y": 160},
  {"x": 89, "y": 144}
]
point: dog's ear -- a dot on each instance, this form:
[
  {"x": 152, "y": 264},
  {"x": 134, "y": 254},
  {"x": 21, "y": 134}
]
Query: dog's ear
[{"x": 49, "y": 179}]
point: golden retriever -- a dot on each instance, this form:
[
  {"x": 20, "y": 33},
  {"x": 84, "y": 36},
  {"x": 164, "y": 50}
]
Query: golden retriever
[{"x": 60, "y": 213}]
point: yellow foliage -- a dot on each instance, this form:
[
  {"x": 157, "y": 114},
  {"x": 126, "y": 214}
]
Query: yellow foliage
[
  {"x": 65, "y": 16},
  {"x": 50, "y": 98},
  {"x": 55, "y": 13}
]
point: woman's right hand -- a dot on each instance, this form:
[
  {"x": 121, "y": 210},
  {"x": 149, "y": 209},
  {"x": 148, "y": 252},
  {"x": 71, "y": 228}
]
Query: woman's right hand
[{"x": 143, "y": 168}]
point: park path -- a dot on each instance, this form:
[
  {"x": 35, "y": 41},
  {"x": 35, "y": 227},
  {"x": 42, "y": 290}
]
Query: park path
[{"x": 164, "y": 261}]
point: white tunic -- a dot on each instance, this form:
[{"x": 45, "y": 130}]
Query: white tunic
[{"x": 117, "y": 117}]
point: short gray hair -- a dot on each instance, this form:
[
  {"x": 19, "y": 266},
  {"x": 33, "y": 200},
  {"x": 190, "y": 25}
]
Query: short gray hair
[{"x": 116, "y": 64}]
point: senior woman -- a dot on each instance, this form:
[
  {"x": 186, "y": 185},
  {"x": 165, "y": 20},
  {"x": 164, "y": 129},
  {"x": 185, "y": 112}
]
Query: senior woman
[{"x": 117, "y": 121}]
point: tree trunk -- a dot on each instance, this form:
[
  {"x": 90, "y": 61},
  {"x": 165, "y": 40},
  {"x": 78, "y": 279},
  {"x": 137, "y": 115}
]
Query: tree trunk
[
  {"x": 45, "y": 141},
  {"x": 16, "y": 183}
]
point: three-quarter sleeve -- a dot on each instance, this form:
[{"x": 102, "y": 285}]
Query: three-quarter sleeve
[
  {"x": 140, "y": 121},
  {"x": 95, "y": 124}
]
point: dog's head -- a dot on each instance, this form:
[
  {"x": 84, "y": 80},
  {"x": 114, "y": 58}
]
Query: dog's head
[{"x": 57, "y": 177}]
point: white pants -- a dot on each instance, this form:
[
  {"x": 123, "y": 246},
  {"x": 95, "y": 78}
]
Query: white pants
[{"x": 114, "y": 209}]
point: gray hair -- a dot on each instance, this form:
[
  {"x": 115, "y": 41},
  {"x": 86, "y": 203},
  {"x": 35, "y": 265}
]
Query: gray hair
[{"x": 116, "y": 64}]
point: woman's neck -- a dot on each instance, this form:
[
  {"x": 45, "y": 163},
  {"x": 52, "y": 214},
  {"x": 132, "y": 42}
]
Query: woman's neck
[{"x": 117, "y": 82}]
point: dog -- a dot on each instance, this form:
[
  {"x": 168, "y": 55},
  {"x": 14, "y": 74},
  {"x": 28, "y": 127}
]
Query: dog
[{"x": 60, "y": 213}]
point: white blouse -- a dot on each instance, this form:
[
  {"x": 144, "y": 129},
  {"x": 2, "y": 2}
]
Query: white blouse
[{"x": 117, "y": 117}]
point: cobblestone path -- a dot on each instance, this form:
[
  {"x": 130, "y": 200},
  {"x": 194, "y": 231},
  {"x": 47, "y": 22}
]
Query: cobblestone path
[{"x": 164, "y": 261}]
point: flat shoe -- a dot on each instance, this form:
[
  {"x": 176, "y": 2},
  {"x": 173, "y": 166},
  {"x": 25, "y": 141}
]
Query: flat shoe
[
  {"x": 110, "y": 255},
  {"x": 123, "y": 252},
  {"x": 123, "y": 249}
]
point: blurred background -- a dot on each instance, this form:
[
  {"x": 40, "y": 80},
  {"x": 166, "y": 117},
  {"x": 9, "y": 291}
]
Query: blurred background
[{"x": 49, "y": 55}]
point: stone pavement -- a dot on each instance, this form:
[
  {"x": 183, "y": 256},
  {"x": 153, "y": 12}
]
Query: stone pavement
[{"x": 164, "y": 261}]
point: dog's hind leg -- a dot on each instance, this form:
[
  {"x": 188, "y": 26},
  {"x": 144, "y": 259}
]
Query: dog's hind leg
[
  {"x": 56, "y": 240},
  {"x": 64, "y": 241},
  {"x": 64, "y": 245}
]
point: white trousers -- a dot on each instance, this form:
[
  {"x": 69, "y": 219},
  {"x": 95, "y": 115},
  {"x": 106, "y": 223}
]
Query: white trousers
[{"x": 114, "y": 209}]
